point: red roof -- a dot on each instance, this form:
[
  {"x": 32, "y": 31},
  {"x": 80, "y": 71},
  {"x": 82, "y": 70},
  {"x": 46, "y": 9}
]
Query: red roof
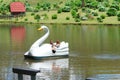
[{"x": 17, "y": 7}]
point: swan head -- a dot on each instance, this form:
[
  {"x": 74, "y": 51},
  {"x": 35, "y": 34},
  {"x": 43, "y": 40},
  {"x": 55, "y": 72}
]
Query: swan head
[{"x": 43, "y": 28}]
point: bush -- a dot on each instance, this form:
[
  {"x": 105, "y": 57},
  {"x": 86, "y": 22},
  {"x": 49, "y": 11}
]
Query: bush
[
  {"x": 76, "y": 9},
  {"x": 73, "y": 13},
  {"x": 32, "y": 14},
  {"x": 77, "y": 19},
  {"x": 37, "y": 17},
  {"x": 54, "y": 16},
  {"x": 118, "y": 14},
  {"x": 118, "y": 18},
  {"x": 59, "y": 10},
  {"x": 95, "y": 13},
  {"x": 106, "y": 4},
  {"x": 88, "y": 10},
  {"x": 102, "y": 16},
  {"x": 83, "y": 9},
  {"x": 115, "y": 5},
  {"x": 25, "y": 19},
  {"x": 99, "y": 19},
  {"x": 112, "y": 12},
  {"x": 66, "y": 9},
  {"x": 45, "y": 16},
  {"x": 102, "y": 9},
  {"x": 92, "y": 4},
  {"x": 67, "y": 18}
]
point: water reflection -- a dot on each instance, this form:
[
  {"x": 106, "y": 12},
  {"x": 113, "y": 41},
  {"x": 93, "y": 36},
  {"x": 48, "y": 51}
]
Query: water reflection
[
  {"x": 105, "y": 77},
  {"x": 52, "y": 69},
  {"x": 18, "y": 34},
  {"x": 107, "y": 56},
  {"x": 94, "y": 51}
]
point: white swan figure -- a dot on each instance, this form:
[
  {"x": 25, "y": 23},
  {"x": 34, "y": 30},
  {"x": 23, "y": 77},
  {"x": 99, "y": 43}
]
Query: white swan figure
[{"x": 39, "y": 50}]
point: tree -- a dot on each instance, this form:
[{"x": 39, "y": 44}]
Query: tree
[{"x": 83, "y": 3}]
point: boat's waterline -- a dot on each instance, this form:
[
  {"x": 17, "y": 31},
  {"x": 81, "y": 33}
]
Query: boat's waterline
[{"x": 43, "y": 57}]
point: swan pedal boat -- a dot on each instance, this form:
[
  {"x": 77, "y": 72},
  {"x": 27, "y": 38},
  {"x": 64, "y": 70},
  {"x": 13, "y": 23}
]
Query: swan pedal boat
[{"x": 39, "y": 50}]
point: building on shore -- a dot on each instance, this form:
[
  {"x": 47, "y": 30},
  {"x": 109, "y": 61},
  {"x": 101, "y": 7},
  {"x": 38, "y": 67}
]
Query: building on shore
[{"x": 17, "y": 8}]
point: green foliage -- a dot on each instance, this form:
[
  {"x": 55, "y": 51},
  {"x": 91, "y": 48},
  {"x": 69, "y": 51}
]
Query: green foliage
[
  {"x": 102, "y": 9},
  {"x": 32, "y": 14},
  {"x": 4, "y": 8},
  {"x": 45, "y": 16},
  {"x": 28, "y": 6},
  {"x": 83, "y": 9},
  {"x": 75, "y": 3},
  {"x": 88, "y": 10},
  {"x": 59, "y": 10},
  {"x": 66, "y": 9},
  {"x": 78, "y": 3},
  {"x": 99, "y": 19},
  {"x": 100, "y": 0},
  {"x": 117, "y": 1},
  {"x": 95, "y": 13},
  {"x": 54, "y": 16},
  {"x": 92, "y": 4},
  {"x": 25, "y": 19},
  {"x": 67, "y": 18},
  {"x": 73, "y": 13},
  {"x": 106, "y": 4},
  {"x": 118, "y": 14},
  {"x": 37, "y": 17},
  {"x": 75, "y": 8},
  {"x": 102, "y": 16},
  {"x": 56, "y": 6},
  {"x": 115, "y": 5},
  {"x": 118, "y": 18},
  {"x": 46, "y": 6},
  {"x": 77, "y": 19},
  {"x": 112, "y": 12}
]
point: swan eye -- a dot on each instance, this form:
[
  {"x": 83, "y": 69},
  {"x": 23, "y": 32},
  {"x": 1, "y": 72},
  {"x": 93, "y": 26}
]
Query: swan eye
[{"x": 40, "y": 29}]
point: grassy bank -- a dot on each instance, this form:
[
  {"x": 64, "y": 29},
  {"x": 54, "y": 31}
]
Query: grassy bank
[
  {"x": 61, "y": 18},
  {"x": 76, "y": 15}
]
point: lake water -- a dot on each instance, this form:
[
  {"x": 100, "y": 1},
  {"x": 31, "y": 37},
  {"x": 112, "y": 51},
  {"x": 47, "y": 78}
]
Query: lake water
[{"x": 94, "y": 52}]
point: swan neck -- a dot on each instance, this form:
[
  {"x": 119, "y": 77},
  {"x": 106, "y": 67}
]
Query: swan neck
[{"x": 41, "y": 40}]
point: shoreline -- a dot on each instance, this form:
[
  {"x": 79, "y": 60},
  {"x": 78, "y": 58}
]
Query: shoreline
[{"x": 65, "y": 23}]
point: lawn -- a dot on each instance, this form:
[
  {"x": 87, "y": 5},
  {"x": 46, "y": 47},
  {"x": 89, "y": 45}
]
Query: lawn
[{"x": 61, "y": 17}]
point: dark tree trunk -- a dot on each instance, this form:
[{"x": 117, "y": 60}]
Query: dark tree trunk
[{"x": 83, "y": 3}]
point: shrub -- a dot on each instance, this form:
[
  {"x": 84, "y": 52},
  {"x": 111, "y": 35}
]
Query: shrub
[
  {"x": 73, "y": 13},
  {"x": 95, "y": 13},
  {"x": 77, "y": 19},
  {"x": 115, "y": 5},
  {"x": 88, "y": 10},
  {"x": 55, "y": 5},
  {"x": 25, "y": 19},
  {"x": 102, "y": 9},
  {"x": 32, "y": 14},
  {"x": 67, "y": 18},
  {"x": 54, "y": 16},
  {"x": 99, "y": 19},
  {"x": 76, "y": 9},
  {"x": 59, "y": 10},
  {"x": 92, "y": 4},
  {"x": 66, "y": 9},
  {"x": 83, "y": 9},
  {"x": 106, "y": 3},
  {"x": 118, "y": 18},
  {"x": 37, "y": 17},
  {"x": 118, "y": 14},
  {"x": 102, "y": 16},
  {"x": 45, "y": 16},
  {"x": 112, "y": 12}
]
